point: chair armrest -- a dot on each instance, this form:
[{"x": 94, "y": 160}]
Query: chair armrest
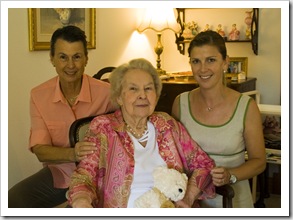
[
  {"x": 78, "y": 128},
  {"x": 228, "y": 193}
]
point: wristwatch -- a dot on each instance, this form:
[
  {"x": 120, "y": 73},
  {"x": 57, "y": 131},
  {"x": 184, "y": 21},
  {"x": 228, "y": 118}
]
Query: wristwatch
[{"x": 233, "y": 179}]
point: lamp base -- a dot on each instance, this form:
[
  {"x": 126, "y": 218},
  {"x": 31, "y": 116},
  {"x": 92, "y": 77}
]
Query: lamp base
[
  {"x": 161, "y": 72},
  {"x": 158, "y": 50}
]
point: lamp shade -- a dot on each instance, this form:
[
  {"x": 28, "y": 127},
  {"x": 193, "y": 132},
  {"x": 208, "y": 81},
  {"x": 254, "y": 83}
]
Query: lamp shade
[{"x": 159, "y": 19}]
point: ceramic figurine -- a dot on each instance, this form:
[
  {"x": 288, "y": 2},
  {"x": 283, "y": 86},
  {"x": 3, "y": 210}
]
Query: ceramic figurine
[
  {"x": 220, "y": 31},
  {"x": 190, "y": 30},
  {"x": 234, "y": 33},
  {"x": 248, "y": 21},
  {"x": 207, "y": 27},
  {"x": 193, "y": 28}
]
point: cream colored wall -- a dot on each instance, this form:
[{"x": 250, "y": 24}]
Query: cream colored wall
[
  {"x": 116, "y": 44},
  {"x": 266, "y": 66}
]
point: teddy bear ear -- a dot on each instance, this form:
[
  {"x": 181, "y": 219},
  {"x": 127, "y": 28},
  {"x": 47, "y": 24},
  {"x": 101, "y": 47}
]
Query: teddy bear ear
[{"x": 185, "y": 176}]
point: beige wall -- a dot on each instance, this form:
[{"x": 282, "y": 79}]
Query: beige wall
[{"x": 115, "y": 45}]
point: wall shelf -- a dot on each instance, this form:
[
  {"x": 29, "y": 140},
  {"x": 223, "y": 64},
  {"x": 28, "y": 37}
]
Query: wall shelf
[{"x": 181, "y": 42}]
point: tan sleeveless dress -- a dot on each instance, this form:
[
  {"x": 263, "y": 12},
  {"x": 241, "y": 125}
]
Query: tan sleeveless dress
[{"x": 224, "y": 143}]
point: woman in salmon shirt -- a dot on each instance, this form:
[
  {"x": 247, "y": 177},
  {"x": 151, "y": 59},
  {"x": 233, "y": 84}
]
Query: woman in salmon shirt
[{"x": 54, "y": 105}]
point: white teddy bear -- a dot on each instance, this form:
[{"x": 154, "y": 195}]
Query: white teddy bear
[{"x": 169, "y": 186}]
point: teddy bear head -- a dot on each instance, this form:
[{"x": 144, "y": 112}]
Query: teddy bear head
[{"x": 170, "y": 182}]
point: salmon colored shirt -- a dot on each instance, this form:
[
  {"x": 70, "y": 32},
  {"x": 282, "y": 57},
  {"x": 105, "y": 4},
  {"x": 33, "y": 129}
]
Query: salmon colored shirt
[
  {"x": 51, "y": 117},
  {"x": 107, "y": 174}
]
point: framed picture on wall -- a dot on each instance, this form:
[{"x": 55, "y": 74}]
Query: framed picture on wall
[
  {"x": 44, "y": 21},
  {"x": 237, "y": 65}
]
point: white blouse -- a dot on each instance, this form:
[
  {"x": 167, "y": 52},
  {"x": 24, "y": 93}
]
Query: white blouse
[{"x": 146, "y": 159}]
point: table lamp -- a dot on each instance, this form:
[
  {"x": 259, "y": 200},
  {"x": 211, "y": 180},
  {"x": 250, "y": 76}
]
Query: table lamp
[{"x": 159, "y": 19}]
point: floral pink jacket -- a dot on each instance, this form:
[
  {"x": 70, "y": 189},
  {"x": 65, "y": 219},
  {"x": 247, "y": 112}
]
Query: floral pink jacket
[{"x": 107, "y": 174}]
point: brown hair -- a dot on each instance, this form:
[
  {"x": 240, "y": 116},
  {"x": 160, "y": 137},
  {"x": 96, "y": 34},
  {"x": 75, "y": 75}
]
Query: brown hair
[{"x": 209, "y": 38}]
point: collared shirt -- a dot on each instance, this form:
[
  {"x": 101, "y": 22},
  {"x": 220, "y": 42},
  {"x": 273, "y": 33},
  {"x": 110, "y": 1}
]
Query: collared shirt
[
  {"x": 51, "y": 117},
  {"x": 107, "y": 174}
]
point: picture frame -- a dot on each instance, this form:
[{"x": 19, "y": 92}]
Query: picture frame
[
  {"x": 44, "y": 21},
  {"x": 237, "y": 65}
]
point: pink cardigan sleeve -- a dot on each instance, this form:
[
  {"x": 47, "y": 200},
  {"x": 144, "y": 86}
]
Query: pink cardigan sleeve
[{"x": 197, "y": 162}]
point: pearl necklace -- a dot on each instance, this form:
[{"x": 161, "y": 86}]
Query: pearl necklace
[{"x": 136, "y": 134}]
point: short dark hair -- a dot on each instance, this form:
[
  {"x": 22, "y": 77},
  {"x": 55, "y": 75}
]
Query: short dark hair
[
  {"x": 209, "y": 38},
  {"x": 68, "y": 33}
]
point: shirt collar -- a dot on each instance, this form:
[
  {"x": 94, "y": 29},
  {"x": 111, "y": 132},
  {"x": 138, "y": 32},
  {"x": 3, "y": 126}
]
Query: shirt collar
[
  {"x": 85, "y": 92},
  {"x": 84, "y": 95}
]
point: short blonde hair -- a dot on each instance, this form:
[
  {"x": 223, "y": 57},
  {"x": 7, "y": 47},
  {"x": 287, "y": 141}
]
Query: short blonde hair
[{"x": 118, "y": 74}]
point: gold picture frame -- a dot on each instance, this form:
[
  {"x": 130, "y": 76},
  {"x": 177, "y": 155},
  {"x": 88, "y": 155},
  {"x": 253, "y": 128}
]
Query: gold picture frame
[
  {"x": 44, "y": 21},
  {"x": 237, "y": 65}
]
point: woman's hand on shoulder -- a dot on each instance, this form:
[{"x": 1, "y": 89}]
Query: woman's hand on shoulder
[{"x": 84, "y": 148}]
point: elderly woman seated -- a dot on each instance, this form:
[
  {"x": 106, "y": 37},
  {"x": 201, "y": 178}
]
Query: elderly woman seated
[{"x": 132, "y": 142}]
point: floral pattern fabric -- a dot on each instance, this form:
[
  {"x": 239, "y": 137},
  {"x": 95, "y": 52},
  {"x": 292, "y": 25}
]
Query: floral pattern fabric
[{"x": 107, "y": 174}]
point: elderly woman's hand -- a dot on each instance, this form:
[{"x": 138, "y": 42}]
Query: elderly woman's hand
[
  {"x": 189, "y": 199},
  {"x": 182, "y": 204},
  {"x": 82, "y": 149},
  {"x": 82, "y": 202},
  {"x": 191, "y": 195}
]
